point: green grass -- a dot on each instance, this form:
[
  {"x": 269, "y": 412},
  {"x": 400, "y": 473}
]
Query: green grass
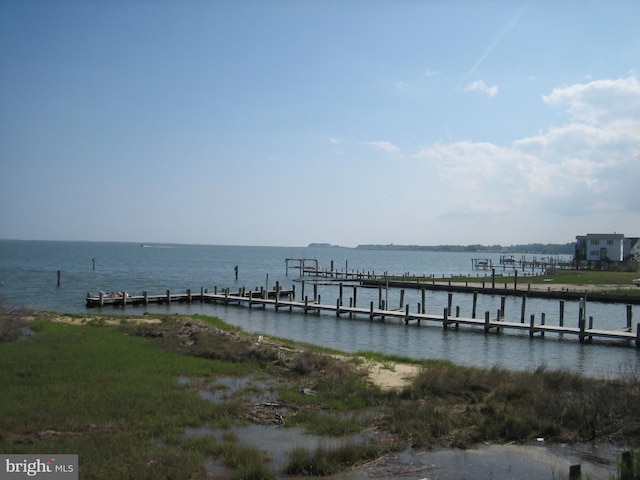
[{"x": 111, "y": 395}]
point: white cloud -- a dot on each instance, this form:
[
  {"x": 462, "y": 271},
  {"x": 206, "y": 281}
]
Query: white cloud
[
  {"x": 334, "y": 140},
  {"x": 384, "y": 146},
  {"x": 480, "y": 86},
  {"x": 590, "y": 166}
]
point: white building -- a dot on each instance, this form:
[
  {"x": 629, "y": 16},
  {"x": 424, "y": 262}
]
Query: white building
[{"x": 599, "y": 247}]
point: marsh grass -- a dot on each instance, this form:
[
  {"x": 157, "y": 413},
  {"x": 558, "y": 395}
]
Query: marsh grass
[
  {"x": 112, "y": 395},
  {"x": 326, "y": 461},
  {"x": 461, "y": 406}
]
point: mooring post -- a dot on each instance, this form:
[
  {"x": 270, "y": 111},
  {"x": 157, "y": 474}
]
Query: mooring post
[
  {"x": 341, "y": 289},
  {"x": 424, "y": 301},
  {"x": 338, "y": 303},
  {"x": 524, "y": 306},
  {"x": 102, "y": 300},
  {"x": 575, "y": 472},
  {"x": 401, "y": 298},
  {"x": 355, "y": 296},
  {"x": 475, "y": 303},
  {"x": 515, "y": 279},
  {"x": 638, "y": 335},
  {"x": 629, "y": 316},
  {"x": 306, "y": 304},
  {"x": 531, "y": 322},
  {"x": 371, "y": 312},
  {"x": 542, "y": 322},
  {"x": 406, "y": 314},
  {"x": 59, "y": 273},
  {"x": 168, "y": 296},
  {"x": 315, "y": 292},
  {"x": 449, "y": 302},
  {"x": 302, "y": 293},
  {"x": 487, "y": 317},
  {"x": 561, "y": 313},
  {"x": 445, "y": 318},
  {"x": 201, "y": 294},
  {"x": 188, "y": 295},
  {"x": 502, "y": 305}
]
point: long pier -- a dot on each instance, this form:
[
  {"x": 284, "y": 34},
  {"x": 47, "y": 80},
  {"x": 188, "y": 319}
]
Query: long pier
[{"x": 280, "y": 300}]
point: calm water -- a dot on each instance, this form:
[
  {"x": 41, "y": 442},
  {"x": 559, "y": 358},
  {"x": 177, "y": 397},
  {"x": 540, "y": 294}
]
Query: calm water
[{"x": 28, "y": 272}]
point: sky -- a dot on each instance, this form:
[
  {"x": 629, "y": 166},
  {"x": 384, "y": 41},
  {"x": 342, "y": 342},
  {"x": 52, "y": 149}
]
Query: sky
[{"x": 282, "y": 122}]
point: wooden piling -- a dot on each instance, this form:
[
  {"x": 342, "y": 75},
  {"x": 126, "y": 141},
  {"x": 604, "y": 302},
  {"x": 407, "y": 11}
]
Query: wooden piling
[
  {"x": 423, "y": 304},
  {"x": 487, "y": 318},
  {"x": 629, "y": 316},
  {"x": 561, "y": 313},
  {"x": 59, "y": 274},
  {"x": 475, "y": 303},
  {"x": 168, "y": 296},
  {"x": 523, "y": 308}
]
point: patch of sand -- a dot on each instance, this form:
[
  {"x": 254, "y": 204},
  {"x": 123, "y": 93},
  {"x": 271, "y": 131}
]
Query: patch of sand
[{"x": 392, "y": 375}]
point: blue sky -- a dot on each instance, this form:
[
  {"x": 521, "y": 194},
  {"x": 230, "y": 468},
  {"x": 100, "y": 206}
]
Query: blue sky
[{"x": 290, "y": 122}]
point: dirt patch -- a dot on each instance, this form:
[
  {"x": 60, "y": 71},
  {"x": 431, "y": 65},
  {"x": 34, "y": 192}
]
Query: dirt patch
[{"x": 391, "y": 375}]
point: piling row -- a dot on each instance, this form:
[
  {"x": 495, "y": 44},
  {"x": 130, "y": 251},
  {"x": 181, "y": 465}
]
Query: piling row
[{"x": 281, "y": 299}]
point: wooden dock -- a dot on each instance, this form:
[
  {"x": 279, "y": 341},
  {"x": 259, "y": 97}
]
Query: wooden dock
[{"x": 284, "y": 300}]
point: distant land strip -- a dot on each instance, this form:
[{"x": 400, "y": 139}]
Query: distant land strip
[{"x": 537, "y": 248}]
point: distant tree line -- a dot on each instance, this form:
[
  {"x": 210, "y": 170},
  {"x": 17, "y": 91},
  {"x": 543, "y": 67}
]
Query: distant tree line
[{"x": 537, "y": 248}]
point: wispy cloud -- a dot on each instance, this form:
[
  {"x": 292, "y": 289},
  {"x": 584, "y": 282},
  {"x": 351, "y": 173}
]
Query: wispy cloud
[
  {"x": 384, "y": 146},
  {"x": 588, "y": 166},
  {"x": 480, "y": 86},
  {"x": 496, "y": 40},
  {"x": 334, "y": 140}
]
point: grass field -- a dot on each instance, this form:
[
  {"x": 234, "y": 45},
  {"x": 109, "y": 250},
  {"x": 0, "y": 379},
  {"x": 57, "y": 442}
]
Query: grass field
[{"x": 116, "y": 395}]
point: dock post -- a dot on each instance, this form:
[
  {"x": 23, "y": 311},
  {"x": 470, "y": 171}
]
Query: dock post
[
  {"x": 59, "y": 273},
  {"x": 401, "y": 298},
  {"x": 515, "y": 279},
  {"x": 502, "y": 305},
  {"x": 306, "y": 304},
  {"x": 406, "y": 314},
  {"x": 145, "y": 295},
  {"x": 355, "y": 296},
  {"x": 524, "y": 306},
  {"x": 201, "y": 294},
  {"x": 341, "y": 290},
  {"x": 449, "y": 302},
  {"x": 561, "y": 313},
  {"x": 590, "y": 327},
  {"x": 101, "y": 299},
  {"x": 250, "y": 298},
  {"x": 124, "y": 299},
  {"x": 168, "y": 296},
  {"x": 575, "y": 472},
  {"x": 629, "y": 316},
  {"x": 445, "y": 318},
  {"x": 475, "y": 303},
  {"x": 302, "y": 294},
  {"x": 371, "y": 313},
  {"x": 487, "y": 317},
  {"x": 581, "y": 325},
  {"x": 424, "y": 301},
  {"x": 338, "y": 303},
  {"x": 379, "y": 297},
  {"x": 188, "y": 295},
  {"x": 531, "y": 322},
  {"x": 638, "y": 335},
  {"x": 543, "y": 321},
  {"x": 315, "y": 292}
]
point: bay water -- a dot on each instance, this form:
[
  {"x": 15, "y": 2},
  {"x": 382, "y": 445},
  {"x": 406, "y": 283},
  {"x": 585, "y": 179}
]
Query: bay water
[{"x": 29, "y": 279}]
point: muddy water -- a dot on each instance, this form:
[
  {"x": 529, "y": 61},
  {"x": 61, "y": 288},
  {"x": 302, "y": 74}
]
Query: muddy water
[{"x": 536, "y": 460}]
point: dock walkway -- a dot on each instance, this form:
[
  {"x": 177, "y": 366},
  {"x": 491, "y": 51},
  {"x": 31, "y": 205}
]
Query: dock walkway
[{"x": 285, "y": 300}]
